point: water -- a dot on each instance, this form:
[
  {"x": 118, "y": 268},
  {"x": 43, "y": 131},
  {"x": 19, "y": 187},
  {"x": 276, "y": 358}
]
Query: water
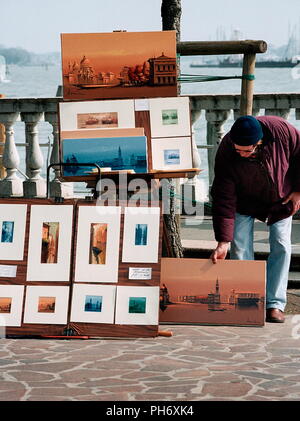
[{"x": 42, "y": 82}]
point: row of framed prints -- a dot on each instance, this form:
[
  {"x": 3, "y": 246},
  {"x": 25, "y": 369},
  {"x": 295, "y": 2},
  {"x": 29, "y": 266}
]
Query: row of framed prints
[
  {"x": 78, "y": 263},
  {"x": 97, "y": 304},
  {"x": 141, "y": 135}
]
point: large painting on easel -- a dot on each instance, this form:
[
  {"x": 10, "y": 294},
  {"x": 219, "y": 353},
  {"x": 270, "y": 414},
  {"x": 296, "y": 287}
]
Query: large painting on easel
[
  {"x": 196, "y": 291},
  {"x": 119, "y": 65}
]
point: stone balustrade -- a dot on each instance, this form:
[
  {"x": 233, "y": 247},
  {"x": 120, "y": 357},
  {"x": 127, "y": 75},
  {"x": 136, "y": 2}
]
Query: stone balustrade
[{"x": 31, "y": 111}]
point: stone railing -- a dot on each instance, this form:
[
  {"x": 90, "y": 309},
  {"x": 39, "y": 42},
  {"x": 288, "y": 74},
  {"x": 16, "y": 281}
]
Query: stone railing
[{"x": 32, "y": 111}]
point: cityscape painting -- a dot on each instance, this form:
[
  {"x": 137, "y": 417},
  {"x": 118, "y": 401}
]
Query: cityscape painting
[
  {"x": 5, "y": 304},
  {"x": 137, "y": 305},
  {"x": 169, "y": 117},
  {"x": 141, "y": 234},
  {"x": 93, "y": 303},
  {"x": 98, "y": 239},
  {"x": 196, "y": 291},
  {"x": 119, "y": 65},
  {"x": 50, "y": 235},
  {"x": 172, "y": 156},
  {"x": 97, "y": 120},
  {"x": 117, "y": 153},
  {"x": 7, "y": 233},
  {"x": 46, "y": 305}
]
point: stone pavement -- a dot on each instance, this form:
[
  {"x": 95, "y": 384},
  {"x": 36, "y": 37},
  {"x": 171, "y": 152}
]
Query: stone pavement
[{"x": 197, "y": 363}]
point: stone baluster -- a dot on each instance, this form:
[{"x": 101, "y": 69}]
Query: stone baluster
[
  {"x": 279, "y": 112},
  {"x": 215, "y": 132},
  {"x": 11, "y": 185},
  {"x": 57, "y": 188},
  {"x": 236, "y": 113},
  {"x": 35, "y": 185}
]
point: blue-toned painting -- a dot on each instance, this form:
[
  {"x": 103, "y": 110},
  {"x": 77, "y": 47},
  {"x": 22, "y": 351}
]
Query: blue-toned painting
[
  {"x": 141, "y": 231},
  {"x": 117, "y": 153},
  {"x": 7, "y": 232},
  {"x": 137, "y": 305},
  {"x": 93, "y": 303}
]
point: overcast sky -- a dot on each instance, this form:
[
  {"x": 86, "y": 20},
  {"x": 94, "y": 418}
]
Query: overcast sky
[{"x": 36, "y": 24}]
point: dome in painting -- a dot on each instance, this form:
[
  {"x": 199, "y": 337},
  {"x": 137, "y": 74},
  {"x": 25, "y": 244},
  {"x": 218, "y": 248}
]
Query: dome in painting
[{"x": 85, "y": 62}]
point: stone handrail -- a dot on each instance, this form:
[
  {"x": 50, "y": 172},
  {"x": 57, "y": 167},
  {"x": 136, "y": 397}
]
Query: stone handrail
[{"x": 31, "y": 111}]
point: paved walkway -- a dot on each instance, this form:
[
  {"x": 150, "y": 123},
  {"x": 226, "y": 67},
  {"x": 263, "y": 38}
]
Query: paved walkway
[{"x": 197, "y": 363}]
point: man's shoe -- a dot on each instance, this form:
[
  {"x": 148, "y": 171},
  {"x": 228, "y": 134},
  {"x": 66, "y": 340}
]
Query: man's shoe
[{"x": 274, "y": 315}]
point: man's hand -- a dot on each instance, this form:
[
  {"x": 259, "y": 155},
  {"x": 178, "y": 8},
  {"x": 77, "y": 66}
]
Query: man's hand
[
  {"x": 295, "y": 199},
  {"x": 220, "y": 252}
]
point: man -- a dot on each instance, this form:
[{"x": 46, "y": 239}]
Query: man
[{"x": 257, "y": 175}]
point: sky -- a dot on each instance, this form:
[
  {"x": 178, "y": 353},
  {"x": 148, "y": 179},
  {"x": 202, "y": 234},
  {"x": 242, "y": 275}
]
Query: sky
[{"x": 36, "y": 25}]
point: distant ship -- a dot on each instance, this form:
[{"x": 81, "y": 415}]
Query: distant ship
[{"x": 229, "y": 62}]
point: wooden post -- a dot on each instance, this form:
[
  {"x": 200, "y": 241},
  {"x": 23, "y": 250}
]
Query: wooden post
[
  {"x": 2, "y": 140},
  {"x": 247, "y": 85}
]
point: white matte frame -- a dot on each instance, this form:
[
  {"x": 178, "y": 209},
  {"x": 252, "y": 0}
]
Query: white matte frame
[
  {"x": 17, "y": 214},
  {"x": 141, "y": 253},
  {"x": 54, "y": 272},
  {"x": 108, "y": 272},
  {"x": 60, "y": 315},
  {"x": 107, "y": 314},
  {"x": 150, "y": 317},
  {"x": 68, "y": 113},
  {"x": 183, "y": 144},
  {"x": 182, "y": 105},
  {"x": 16, "y": 293}
]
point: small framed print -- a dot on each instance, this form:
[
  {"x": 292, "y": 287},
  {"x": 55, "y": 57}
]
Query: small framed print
[
  {"x": 97, "y": 246},
  {"x": 11, "y": 305},
  {"x": 50, "y": 240},
  {"x": 137, "y": 305},
  {"x": 170, "y": 117},
  {"x": 141, "y": 234},
  {"x": 46, "y": 304},
  {"x": 12, "y": 231},
  {"x": 171, "y": 153},
  {"x": 91, "y": 115},
  {"x": 93, "y": 303}
]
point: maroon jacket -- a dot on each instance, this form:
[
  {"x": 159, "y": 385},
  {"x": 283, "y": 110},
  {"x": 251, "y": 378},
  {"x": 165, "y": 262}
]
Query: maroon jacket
[{"x": 256, "y": 186}]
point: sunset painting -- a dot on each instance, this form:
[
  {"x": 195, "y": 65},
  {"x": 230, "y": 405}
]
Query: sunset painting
[
  {"x": 196, "y": 291},
  {"x": 119, "y": 65}
]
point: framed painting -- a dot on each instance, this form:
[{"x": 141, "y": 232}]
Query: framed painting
[
  {"x": 119, "y": 65},
  {"x": 171, "y": 153},
  {"x": 11, "y": 305},
  {"x": 50, "y": 243},
  {"x": 93, "y": 303},
  {"x": 170, "y": 117},
  {"x": 197, "y": 291},
  {"x": 12, "y": 231},
  {"x": 115, "y": 153},
  {"x": 46, "y": 304},
  {"x": 97, "y": 244},
  {"x": 137, "y": 305},
  {"x": 141, "y": 234},
  {"x": 96, "y": 115}
]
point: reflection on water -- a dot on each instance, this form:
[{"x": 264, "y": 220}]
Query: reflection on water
[{"x": 213, "y": 314}]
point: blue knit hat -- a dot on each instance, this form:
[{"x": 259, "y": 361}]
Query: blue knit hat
[{"x": 246, "y": 131}]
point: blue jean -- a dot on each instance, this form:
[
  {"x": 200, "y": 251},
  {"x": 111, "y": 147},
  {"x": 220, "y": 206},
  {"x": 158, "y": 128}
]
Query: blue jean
[{"x": 278, "y": 263}]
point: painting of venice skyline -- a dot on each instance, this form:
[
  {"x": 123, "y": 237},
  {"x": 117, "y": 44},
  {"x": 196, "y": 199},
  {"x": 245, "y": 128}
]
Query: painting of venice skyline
[
  {"x": 7, "y": 232},
  {"x": 119, "y": 65},
  {"x": 196, "y": 291},
  {"x": 50, "y": 236},
  {"x": 117, "y": 153}
]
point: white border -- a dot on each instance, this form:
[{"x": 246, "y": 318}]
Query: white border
[
  {"x": 182, "y": 105},
  {"x": 107, "y": 314},
  {"x": 31, "y": 314},
  {"x": 17, "y": 214},
  {"x": 68, "y": 113},
  {"x": 16, "y": 292},
  {"x": 159, "y": 145},
  {"x": 141, "y": 253},
  {"x": 123, "y": 316},
  {"x": 85, "y": 272},
  {"x": 55, "y": 272}
]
